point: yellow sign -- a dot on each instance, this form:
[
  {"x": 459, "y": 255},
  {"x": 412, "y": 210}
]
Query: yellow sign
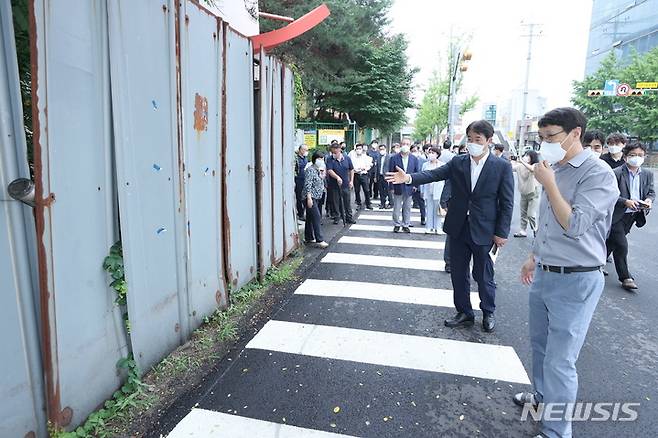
[
  {"x": 310, "y": 137},
  {"x": 328, "y": 135},
  {"x": 646, "y": 85}
]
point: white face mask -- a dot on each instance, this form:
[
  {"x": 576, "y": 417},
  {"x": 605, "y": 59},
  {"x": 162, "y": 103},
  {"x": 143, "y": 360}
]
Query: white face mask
[
  {"x": 475, "y": 149},
  {"x": 404, "y": 149},
  {"x": 320, "y": 164},
  {"x": 615, "y": 149},
  {"x": 635, "y": 161},
  {"x": 552, "y": 152},
  {"x": 596, "y": 154},
  {"x": 382, "y": 153}
]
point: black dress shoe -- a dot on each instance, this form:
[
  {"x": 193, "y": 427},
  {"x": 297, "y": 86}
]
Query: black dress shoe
[
  {"x": 396, "y": 229},
  {"x": 488, "y": 323},
  {"x": 447, "y": 269},
  {"x": 422, "y": 223},
  {"x": 369, "y": 207},
  {"x": 350, "y": 221},
  {"x": 406, "y": 230},
  {"x": 460, "y": 320},
  {"x": 335, "y": 221}
]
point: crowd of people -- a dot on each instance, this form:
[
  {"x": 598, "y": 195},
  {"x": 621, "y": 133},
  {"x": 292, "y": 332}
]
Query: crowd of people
[{"x": 580, "y": 195}]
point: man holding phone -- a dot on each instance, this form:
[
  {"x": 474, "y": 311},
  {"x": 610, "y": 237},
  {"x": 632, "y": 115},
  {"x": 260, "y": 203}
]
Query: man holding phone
[{"x": 636, "y": 195}]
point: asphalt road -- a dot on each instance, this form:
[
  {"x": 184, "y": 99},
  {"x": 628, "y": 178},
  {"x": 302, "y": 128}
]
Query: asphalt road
[{"x": 372, "y": 362}]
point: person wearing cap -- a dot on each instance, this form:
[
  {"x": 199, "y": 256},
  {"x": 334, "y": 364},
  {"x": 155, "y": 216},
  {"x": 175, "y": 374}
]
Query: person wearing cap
[{"x": 564, "y": 267}]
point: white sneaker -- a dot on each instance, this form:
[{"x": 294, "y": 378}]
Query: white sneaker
[{"x": 322, "y": 244}]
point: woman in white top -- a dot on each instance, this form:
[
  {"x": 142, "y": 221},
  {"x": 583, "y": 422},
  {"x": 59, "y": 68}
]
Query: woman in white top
[
  {"x": 432, "y": 192},
  {"x": 529, "y": 189}
]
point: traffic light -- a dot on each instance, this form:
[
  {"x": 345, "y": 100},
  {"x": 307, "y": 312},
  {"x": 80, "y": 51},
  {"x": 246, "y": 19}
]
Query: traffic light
[
  {"x": 591, "y": 93},
  {"x": 637, "y": 93}
]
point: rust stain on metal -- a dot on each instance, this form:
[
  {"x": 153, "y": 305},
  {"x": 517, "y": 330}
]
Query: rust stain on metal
[
  {"x": 200, "y": 113},
  {"x": 218, "y": 297},
  {"x": 47, "y": 329},
  {"x": 251, "y": 269},
  {"x": 187, "y": 19},
  {"x": 164, "y": 8},
  {"x": 226, "y": 220},
  {"x": 177, "y": 327},
  {"x": 66, "y": 416},
  {"x": 179, "y": 112}
]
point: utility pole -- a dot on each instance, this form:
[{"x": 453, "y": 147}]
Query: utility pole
[
  {"x": 524, "y": 110},
  {"x": 460, "y": 58}
]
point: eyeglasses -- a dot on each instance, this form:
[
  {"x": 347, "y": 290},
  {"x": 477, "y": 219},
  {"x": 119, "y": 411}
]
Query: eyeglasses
[{"x": 549, "y": 136}]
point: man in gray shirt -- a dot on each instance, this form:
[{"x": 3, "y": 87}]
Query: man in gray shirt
[{"x": 564, "y": 268}]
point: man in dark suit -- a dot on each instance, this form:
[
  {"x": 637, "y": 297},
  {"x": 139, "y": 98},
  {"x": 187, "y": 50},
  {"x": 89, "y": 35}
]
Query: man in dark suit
[
  {"x": 402, "y": 193},
  {"x": 478, "y": 218},
  {"x": 385, "y": 199},
  {"x": 636, "y": 196}
]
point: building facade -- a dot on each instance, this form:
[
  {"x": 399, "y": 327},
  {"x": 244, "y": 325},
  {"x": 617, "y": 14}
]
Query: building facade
[{"x": 621, "y": 26}]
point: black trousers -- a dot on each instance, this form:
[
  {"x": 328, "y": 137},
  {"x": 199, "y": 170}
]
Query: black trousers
[
  {"x": 384, "y": 193},
  {"x": 418, "y": 199},
  {"x": 361, "y": 182},
  {"x": 312, "y": 228},
  {"x": 446, "y": 251},
  {"x": 330, "y": 201},
  {"x": 462, "y": 249},
  {"x": 617, "y": 244},
  {"x": 341, "y": 203},
  {"x": 374, "y": 185},
  {"x": 299, "y": 185}
]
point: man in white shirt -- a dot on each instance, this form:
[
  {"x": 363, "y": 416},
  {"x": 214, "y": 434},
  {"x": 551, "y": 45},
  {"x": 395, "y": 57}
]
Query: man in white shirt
[{"x": 362, "y": 163}]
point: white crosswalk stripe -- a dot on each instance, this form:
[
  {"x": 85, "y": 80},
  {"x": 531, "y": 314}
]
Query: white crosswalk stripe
[
  {"x": 381, "y": 292},
  {"x": 386, "y": 228},
  {"x": 201, "y": 423},
  {"x": 401, "y": 243},
  {"x": 390, "y": 349},
  {"x": 375, "y": 217},
  {"x": 384, "y": 262}
]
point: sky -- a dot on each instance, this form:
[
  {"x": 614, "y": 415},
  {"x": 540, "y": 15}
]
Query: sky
[{"x": 499, "y": 49}]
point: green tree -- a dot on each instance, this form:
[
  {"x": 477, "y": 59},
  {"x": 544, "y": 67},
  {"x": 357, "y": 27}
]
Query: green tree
[
  {"x": 637, "y": 116},
  {"x": 432, "y": 115},
  {"x": 344, "y": 54}
]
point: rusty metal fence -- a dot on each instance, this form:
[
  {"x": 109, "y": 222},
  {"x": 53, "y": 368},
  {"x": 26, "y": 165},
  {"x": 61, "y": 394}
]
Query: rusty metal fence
[{"x": 154, "y": 124}]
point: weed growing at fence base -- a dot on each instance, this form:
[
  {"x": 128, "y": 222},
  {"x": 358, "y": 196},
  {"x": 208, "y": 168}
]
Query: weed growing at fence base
[
  {"x": 132, "y": 395},
  {"x": 119, "y": 413}
]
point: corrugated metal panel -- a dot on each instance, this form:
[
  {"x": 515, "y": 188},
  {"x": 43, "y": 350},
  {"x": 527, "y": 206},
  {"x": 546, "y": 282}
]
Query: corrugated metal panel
[
  {"x": 264, "y": 156},
  {"x": 21, "y": 387},
  {"x": 76, "y": 212},
  {"x": 277, "y": 164},
  {"x": 240, "y": 212},
  {"x": 201, "y": 64},
  {"x": 291, "y": 231},
  {"x": 145, "y": 87}
]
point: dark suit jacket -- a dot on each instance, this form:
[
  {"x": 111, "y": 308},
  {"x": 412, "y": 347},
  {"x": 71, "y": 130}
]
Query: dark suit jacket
[
  {"x": 624, "y": 183},
  {"x": 489, "y": 205},
  {"x": 412, "y": 167}
]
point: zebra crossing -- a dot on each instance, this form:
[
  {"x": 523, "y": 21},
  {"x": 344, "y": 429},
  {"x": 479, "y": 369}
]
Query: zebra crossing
[{"x": 360, "y": 351}]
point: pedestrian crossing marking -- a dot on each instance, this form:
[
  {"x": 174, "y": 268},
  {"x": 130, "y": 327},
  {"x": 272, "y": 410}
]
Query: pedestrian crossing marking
[
  {"x": 202, "y": 423},
  {"x": 385, "y": 262},
  {"x": 486, "y": 361},
  {"x": 386, "y": 228},
  {"x": 401, "y": 243},
  {"x": 375, "y": 217},
  {"x": 381, "y": 292}
]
